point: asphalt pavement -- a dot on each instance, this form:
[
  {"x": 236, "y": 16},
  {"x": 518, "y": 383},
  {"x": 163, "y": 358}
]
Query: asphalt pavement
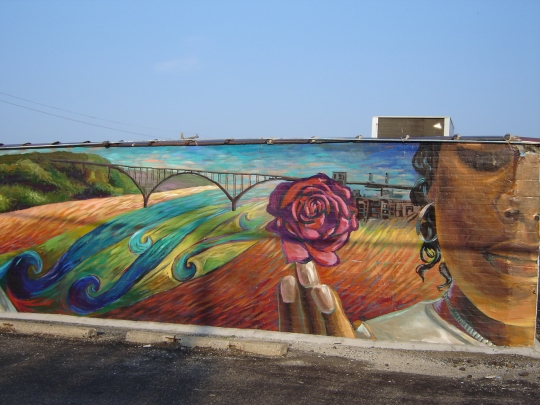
[{"x": 46, "y": 370}]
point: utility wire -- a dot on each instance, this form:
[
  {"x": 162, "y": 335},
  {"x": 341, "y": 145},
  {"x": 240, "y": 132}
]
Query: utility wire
[
  {"x": 71, "y": 119},
  {"x": 84, "y": 115}
]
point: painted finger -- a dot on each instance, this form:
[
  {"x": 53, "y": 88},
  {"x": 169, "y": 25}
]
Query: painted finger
[
  {"x": 291, "y": 316},
  {"x": 308, "y": 279},
  {"x": 331, "y": 309},
  {"x": 307, "y": 274}
]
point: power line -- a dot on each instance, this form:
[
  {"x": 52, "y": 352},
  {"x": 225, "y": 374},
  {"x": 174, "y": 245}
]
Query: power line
[
  {"x": 84, "y": 115},
  {"x": 71, "y": 119}
]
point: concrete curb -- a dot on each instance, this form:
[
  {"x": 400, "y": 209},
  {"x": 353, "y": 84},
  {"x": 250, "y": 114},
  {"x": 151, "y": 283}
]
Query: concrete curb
[
  {"x": 261, "y": 336},
  {"x": 262, "y": 348},
  {"x": 144, "y": 338},
  {"x": 204, "y": 341},
  {"x": 50, "y": 329}
]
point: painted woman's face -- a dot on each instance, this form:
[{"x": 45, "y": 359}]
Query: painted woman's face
[{"x": 487, "y": 201}]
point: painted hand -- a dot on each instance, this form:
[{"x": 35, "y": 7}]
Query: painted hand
[{"x": 307, "y": 306}]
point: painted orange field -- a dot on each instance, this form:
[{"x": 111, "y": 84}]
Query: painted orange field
[
  {"x": 33, "y": 226},
  {"x": 376, "y": 276}
]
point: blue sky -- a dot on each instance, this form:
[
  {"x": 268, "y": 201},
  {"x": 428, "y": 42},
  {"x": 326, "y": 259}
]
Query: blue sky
[{"x": 254, "y": 69}]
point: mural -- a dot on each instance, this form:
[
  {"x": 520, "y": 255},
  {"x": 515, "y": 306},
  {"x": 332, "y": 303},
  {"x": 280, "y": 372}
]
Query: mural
[{"x": 342, "y": 239}]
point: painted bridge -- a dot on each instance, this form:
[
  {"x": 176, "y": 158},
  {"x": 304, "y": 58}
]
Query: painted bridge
[{"x": 148, "y": 179}]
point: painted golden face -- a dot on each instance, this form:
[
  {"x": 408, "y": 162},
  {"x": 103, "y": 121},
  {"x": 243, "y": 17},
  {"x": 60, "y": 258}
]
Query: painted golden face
[{"x": 486, "y": 201}]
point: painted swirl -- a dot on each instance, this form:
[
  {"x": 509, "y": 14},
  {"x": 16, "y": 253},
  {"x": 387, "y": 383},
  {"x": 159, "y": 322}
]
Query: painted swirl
[
  {"x": 238, "y": 229},
  {"x": 139, "y": 242},
  {"x": 85, "y": 295},
  {"x": 25, "y": 285}
]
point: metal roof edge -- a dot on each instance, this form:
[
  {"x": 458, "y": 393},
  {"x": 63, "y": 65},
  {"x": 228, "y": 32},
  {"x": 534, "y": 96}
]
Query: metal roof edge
[{"x": 273, "y": 141}]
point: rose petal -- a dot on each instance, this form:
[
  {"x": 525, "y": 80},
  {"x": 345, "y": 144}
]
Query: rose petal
[
  {"x": 305, "y": 186},
  {"x": 330, "y": 244},
  {"x": 271, "y": 226},
  {"x": 294, "y": 250},
  {"x": 315, "y": 223},
  {"x": 343, "y": 226},
  {"x": 325, "y": 259},
  {"x": 275, "y": 201},
  {"x": 296, "y": 206},
  {"x": 306, "y": 233},
  {"x": 302, "y": 231},
  {"x": 311, "y": 208},
  {"x": 314, "y": 218}
]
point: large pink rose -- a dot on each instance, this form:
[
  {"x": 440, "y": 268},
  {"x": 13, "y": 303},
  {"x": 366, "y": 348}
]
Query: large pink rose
[{"x": 314, "y": 217}]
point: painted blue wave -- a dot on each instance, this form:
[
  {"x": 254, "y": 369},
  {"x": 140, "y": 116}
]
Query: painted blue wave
[
  {"x": 183, "y": 270},
  {"x": 84, "y": 295},
  {"x": 30, "y": 261},
  {"x": 26, "y": 278},
  {"x": 138, "y": 243}
]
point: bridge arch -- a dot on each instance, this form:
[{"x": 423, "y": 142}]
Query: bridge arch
[
  {"x": 119, "y": 169},
  {"x": 145, "y": 181},
  {"x": 227, "y": 194},
  {"x": 234, "y": 200},
  {"x": 237, "y": 198}
]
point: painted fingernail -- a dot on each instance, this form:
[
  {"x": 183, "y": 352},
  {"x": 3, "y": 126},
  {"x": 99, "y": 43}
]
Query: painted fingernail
[
  {"x": 307, "y": 274},
  {"x": 323, "y": 298},
  {"x": 288, "y": 289}
]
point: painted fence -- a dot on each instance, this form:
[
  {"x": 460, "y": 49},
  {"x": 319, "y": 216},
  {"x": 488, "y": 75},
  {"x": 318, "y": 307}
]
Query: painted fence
[{"x": 404, "y": 241}]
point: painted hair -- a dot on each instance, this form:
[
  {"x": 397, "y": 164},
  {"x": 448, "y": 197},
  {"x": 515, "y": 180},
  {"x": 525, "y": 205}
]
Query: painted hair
[{"x": 425, "y": 162}]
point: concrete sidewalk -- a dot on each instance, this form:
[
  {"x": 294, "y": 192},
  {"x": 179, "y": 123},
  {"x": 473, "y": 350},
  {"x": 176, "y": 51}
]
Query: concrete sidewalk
[{"x": 52, "y": 324}]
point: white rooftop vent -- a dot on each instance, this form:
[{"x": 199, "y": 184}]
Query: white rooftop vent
[{"x": 415, "y": 127}]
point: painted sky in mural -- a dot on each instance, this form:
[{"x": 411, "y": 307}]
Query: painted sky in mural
[{"x": 289, "y": 160}]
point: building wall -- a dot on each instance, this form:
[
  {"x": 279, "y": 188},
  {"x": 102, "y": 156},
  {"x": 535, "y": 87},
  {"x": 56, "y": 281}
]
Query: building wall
[{"x": 401, "y": 241}]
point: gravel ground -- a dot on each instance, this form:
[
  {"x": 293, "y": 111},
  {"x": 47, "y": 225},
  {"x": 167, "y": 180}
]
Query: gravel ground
[{"x": 442, "y": 364}]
